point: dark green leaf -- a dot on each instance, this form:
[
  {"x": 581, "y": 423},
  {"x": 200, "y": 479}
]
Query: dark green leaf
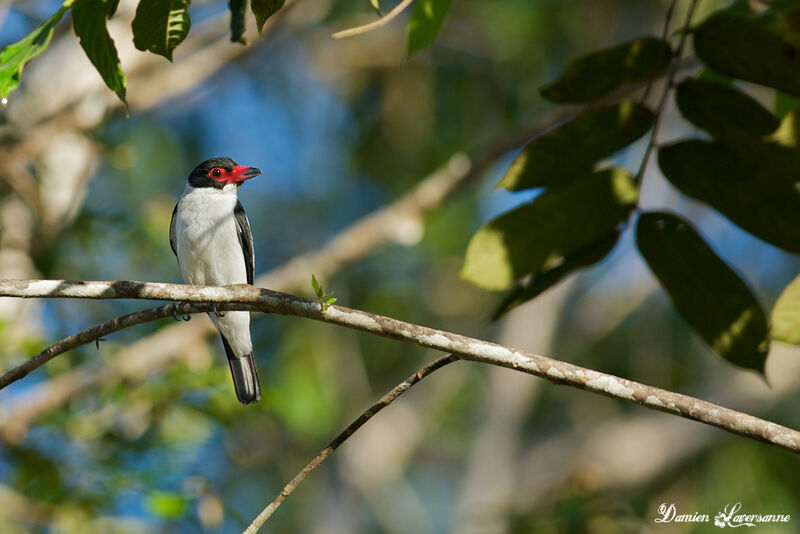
[
  {"x": 14, "y": 57},
  {"x": 238, "y": 10},
  {"x": 725, "y": 112},
  {"x": 784, "y": 104},
  {"x": 597, "y": 74},
  {"x": 426, "y": 21},
  {"x": 161, "y": 25},
  {"x": 570, "y": 150},
  {"x": 539, "y": 236},
  {"x": 712, "y": 298},
  {"x": 111, "y": 7},
  {"x": 749, "y": 49},
  {"x": 537, "y": 283},
  {"x": 264, "y": 9},
  {"x": 761, "y": 202},
  {"x": 786, "y": 315},
  {"x": 89, "y": 23},
  {"x": 710, "y": 75}
]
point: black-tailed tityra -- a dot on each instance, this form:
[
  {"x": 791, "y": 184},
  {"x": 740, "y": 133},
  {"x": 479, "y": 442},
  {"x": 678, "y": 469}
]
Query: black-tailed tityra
[{"x": 210, "y": 235}]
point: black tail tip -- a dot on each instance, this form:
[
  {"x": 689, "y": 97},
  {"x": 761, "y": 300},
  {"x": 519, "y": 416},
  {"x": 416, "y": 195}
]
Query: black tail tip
[{"x": 245, "y": 379}]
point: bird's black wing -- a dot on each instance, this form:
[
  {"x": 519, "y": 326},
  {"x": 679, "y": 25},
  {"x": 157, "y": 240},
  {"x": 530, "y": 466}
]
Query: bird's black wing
[
  {"x": 246, "y": 240},
  {"x": 173, "y": 239}
]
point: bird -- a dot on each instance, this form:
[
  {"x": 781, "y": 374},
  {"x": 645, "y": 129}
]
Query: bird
[{"x": 211, "y": 238}]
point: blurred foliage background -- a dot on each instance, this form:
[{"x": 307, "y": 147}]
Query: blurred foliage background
[{"x": 153, "y": 440}]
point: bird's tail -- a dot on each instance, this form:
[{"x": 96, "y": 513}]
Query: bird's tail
[{"x": 245, "y": 375}]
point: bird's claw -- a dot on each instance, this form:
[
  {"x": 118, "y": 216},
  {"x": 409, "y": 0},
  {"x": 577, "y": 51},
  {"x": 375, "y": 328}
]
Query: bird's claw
[
  {"x": 215, "y": 310},
  {"x": 176, "y": 312}
]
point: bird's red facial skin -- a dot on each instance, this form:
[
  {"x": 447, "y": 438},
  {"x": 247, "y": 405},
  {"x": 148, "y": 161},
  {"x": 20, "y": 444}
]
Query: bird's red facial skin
[
  {"x": 218, "y": 174},
  {"x": 239, "y": 173}
]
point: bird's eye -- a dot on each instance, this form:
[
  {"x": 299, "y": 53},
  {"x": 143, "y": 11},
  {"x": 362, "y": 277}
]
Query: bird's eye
[{"x": 216, "y": 172}]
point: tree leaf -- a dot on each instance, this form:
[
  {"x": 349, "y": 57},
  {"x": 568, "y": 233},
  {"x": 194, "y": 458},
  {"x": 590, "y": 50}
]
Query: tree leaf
[
  {"x": 749, "y": 49},
  {"x": 264, "y": 9},
  {"x": 712, "y": 298},
  {"x": 597, "y": 74},
  {"x": 161, "y": 25},
  {"x": 758, "y": 200},
  {"x": 111, "y": 7},
  {"x": 89, "y": 23},
  {"x": 784, "y": 104},
  {"x": 238, "y": 10},
  {"x": 724, "y": 112},
  {"x": 571, "y": 149},
  {"x": 14, "y": 57},
  {"x": 316, "y": 286},
  {"x": 539, "y": 236},
  {"x": 786, "y": 315},
  {"x": 426, "y": 21},
  {"x": 538, "y": 283}
]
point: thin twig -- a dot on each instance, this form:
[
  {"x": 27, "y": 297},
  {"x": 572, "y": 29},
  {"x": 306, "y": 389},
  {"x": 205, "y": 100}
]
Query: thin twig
[
  {"x": 384, "y": 401},
  {"x": 374, "y": 25},
  {"x": 670, "y": 82},
  {"x": 664, "y": 36},
  {"x": 464, "y": 347}
]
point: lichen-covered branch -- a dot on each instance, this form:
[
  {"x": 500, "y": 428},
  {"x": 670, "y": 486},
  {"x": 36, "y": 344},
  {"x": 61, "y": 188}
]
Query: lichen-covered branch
[{"x": 555, "y": 371}]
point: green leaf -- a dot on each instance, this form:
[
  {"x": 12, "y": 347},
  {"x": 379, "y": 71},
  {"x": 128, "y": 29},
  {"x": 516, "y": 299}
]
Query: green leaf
[
  {"x": 161, "y": 25},
  {"x": 784, "y": 104},
  {"x": 538, "y": 283},
  {"x": 749, "y": 49},
  {"x": 724, "y": 112},
  {"x": 111, "y": 7},
  {"x": 238, "y": 10},
  {"x": 571, "y": 149},
  {"x": 316, "y": 286},
  {"x": 758, "y": 200},
  {"x": 426, "y": 21},
  {"x": 712, "y": 298},
  {"x": 539, "y": 236},
  {"x": 264, "y": 9},
  {"x": 89, "y": 23},
  {"x": 786, "y": 315},
  {"x": 597, "y": 74},
  {"x": 14, "y": 57},
  {"x": 166, "y": 504}
]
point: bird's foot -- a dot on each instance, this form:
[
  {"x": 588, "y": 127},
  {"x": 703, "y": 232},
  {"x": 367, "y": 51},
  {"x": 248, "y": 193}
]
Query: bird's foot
[
  {"x": 216, "y": 311},
  {"x": 176, "y": 313}
]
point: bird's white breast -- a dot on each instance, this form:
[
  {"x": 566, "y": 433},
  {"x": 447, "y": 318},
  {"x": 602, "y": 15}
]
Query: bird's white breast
[{"x": 208, "y": 247}]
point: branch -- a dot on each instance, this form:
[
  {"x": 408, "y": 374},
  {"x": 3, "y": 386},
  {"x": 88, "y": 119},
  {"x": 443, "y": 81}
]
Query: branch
[
  {"x": 384, "y": 401},
  {"x": 467, "y": 348},
  {"x": 383, "y": 21}
]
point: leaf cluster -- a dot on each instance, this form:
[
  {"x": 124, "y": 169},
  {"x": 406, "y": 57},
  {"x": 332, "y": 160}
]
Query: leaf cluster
[
  {"x": 159, "y": 26},
  {"x": 746, "y": 170}
]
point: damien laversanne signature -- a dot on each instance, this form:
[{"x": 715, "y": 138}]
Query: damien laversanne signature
[{"x": 730, "y": 516}]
